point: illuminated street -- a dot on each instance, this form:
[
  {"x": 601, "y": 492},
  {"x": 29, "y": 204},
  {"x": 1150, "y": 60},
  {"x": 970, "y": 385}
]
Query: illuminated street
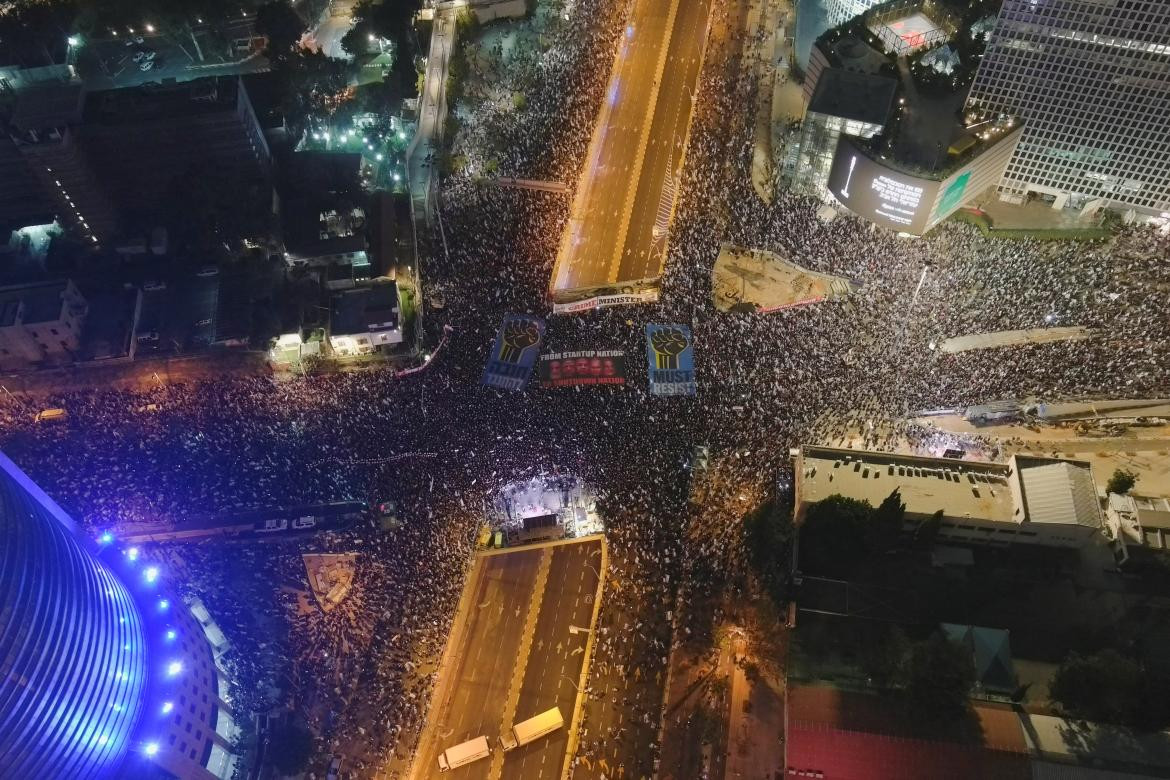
[
  {"x": 313, "y": 474},
  {"x": 635, "y": 152}
]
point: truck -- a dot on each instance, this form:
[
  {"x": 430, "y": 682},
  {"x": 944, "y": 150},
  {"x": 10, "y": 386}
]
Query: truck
[
  {"x": 532, "y": 729},
  {"x": 464, "y": 753},
  {"x": 51, "y": 415}
]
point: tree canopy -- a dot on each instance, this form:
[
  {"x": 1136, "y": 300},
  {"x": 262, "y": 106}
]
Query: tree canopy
[
  {"x": 280, "y": 23},
  {"x": 1111, "y": 688},
  {"x": 939, "y": 677},
  {"x": 392, "y": 20},
  {"x": 1121, "y": 482},
  {"x": 768, "y": 533},
  {"x": 290, "y": 746},
  {"x": 839, "y": 533}
]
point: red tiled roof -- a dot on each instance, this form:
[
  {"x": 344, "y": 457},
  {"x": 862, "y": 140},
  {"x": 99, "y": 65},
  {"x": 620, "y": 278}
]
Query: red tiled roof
[{"x": 839, "y": 735}]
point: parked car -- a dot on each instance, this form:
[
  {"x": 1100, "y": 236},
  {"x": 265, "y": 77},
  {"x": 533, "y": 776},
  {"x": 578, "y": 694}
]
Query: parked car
[
  {"x": 154, "y": 286},
  {"x": 145, "y": 66}
]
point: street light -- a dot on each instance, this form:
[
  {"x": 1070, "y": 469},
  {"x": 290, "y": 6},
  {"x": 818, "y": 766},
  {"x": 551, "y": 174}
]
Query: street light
[{"x": 73, "y": 40}]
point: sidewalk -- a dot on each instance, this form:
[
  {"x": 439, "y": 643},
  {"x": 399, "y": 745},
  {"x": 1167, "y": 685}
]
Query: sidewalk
[{"x": 764, "y": 19}]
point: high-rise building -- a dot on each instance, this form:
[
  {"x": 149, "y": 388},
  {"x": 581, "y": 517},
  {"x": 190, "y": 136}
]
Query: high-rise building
[
  {"x": 840, "y": 11},
  {"x": 1090, "y": 80},
  {"x": 106, "y": 164},
  {"x": 104, "y": 674}
]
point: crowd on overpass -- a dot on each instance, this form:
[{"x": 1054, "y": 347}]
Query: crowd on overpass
[{"x": 766, "y": 383}]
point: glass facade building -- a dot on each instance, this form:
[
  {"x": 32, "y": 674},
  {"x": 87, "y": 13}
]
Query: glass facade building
[
  {"x": 73, "y": 673},
  {"x": 1090, "y": 80},
  {"x": 104, "y": 673}
]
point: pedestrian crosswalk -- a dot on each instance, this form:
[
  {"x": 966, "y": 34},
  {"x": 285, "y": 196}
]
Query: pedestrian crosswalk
[{"x": 665, "y": 205}]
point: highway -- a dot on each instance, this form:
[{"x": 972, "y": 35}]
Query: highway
[
  {"x": 637, "y": 145},
  {"x": 554, "y": 660},
  {"x": 509, "y": 657}
]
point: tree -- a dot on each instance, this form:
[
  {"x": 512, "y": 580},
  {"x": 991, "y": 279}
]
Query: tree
[
  {"x": 927, "y": 531},
  {"x": 1112, "y": 688},
  {"x": 938, "y": 678},
  {"x": 392, "y": 20},
  {"x": 886, "y": 522},
  {"x": 768, "y": 534},
  {"x": 312, "y": 86},
  {"x": 884, "y": 661},
  {"x": 1097, "y": 687},
  {"x": 283, "y": 27},
  {"x": 834, "y": 537},
  {"x": 1121, "y": 482},
  {"x": 290, "y": 746},
  {"x": 35, "y": 34}
]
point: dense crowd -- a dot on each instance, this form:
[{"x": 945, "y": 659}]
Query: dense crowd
[{"x": 838, "y": 372}]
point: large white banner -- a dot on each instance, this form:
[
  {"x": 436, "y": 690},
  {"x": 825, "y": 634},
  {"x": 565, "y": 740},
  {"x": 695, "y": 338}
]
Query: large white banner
[{"x": 589, "y": 304}]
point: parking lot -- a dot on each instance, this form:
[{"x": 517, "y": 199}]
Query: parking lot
[{"x": 131, "y": 59}]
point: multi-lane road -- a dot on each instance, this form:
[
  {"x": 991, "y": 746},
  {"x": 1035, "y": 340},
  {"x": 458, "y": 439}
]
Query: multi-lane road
[
  {"x": 515, "y": 651},
  {"x": 617, "y": 228}
]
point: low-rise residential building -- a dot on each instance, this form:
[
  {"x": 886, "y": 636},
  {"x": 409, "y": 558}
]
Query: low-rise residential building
[
  {"x": 40, "y": 323},
  {"x": 1140, "y": 520},
  {"x": 364, "y": 319},
  {"x": 1027, "y": 500}
]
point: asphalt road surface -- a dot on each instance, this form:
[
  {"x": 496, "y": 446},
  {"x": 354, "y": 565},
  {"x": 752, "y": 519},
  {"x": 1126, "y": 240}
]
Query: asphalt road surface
[
  {"x": 620, "y": 188},
  {"x": 334, "y": 24},
  {"x": 555, "y": 658},
  {"x": 108, "y": 63},
  {"x": 644, "y": 252},
  {"x": 494, "y": 639}
]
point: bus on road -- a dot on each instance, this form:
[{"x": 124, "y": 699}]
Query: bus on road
[
  {"x": 532, "y": 729},
  {"x": 463, "y": 754}
]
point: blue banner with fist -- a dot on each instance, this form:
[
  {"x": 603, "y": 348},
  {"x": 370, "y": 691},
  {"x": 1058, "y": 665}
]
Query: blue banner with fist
[
  {"x": 670, "y": 357},
  {"x": 514, "y": 352}
]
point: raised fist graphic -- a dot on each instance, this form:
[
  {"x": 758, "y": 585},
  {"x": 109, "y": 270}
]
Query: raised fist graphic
[
  {"x": 668, "y": 344},
  {"x": 519, "y": 335}
]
